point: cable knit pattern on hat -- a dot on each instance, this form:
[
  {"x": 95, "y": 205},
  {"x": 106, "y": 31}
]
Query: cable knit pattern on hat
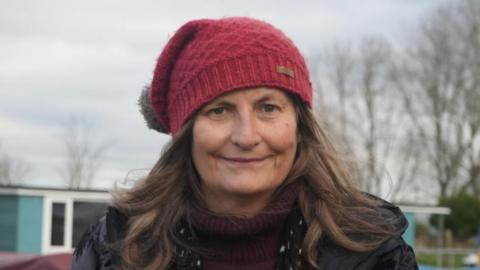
[{"x": 206, "y": 58}]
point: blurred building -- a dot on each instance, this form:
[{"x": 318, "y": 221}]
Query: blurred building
[
  {"x": 410, "y": 211},
  {"x": 47, "y": 220}
]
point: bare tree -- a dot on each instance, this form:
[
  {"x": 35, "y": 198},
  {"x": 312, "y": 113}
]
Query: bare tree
[
  {"x": 414, "y": 114},
  {"x": 364, "y": 114},
  {"x": 370, "y": 107},
  {"x": 13, "y": 171},
  {"x": 83, "y": 155},
  {"x": 469, "y": 31},
  {"x": 441, "y": 93}
]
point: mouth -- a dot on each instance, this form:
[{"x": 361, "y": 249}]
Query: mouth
[{"x": 241, "y": 160}]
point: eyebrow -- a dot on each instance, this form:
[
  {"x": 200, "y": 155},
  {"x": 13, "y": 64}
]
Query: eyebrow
[
  {"x": 222, "y": 101},
  {"x": 215, "y": 104},
  {"x": 264, "y": 98},
  {"x": 218, "y": 103}
]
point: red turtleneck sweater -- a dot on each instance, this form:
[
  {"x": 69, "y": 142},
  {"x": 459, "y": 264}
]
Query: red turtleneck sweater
[{"x": 244, "y": 243}]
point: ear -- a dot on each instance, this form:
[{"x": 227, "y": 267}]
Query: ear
[{"x": 146, "y": 109}]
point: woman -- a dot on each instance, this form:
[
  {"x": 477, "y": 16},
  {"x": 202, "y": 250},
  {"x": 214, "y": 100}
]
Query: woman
[{"x": 250, "y": 180}]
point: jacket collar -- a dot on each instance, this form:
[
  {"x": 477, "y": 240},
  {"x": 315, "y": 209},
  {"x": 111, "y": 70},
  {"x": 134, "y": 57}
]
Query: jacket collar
[{"x": 330, "y": 255}]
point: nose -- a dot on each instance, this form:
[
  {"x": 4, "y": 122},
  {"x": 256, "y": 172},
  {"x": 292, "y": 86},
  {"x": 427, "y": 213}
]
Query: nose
[{"x": 245, "y": 134}]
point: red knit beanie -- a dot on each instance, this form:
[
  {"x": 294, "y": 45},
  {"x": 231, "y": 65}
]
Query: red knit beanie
[{"x": 206, "y": 58}]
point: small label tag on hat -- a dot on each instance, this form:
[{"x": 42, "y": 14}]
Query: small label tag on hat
[{"x": 285, "y": 70}]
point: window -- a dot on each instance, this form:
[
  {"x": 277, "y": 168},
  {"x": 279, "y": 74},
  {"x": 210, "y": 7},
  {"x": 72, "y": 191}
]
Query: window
[
  {"x": 67, "y": 218},
  {"x": 85, "y": 214},
  {"x": 58, "y": 224}
]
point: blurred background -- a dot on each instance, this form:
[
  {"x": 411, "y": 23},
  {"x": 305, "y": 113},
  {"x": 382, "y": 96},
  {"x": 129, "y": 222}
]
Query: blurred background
[{"x": 397, "y": 85}]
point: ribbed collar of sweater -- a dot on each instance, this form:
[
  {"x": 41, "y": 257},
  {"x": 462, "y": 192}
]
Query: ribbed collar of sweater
[{"x": 234, "y": 240}]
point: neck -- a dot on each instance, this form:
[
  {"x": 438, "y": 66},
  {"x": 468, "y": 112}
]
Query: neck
[
  {"x": 248, "y": 243},
  {"x": 244, "y": 206}
]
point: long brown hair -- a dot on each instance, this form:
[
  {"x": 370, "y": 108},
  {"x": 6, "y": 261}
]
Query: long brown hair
[{"x": 331, "y": 205}]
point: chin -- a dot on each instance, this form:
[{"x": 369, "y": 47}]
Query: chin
[{"x": 248, "y": 190}]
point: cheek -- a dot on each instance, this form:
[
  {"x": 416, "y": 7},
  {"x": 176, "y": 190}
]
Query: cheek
[
  {"x": 283, "y": 138},
  {"x": 206, "y": 137},
  {"x": 201, "y": 148},
  {"x": 207, "y": 141}
]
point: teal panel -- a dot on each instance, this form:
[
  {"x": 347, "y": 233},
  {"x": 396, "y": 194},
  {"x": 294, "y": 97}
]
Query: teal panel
[
  {"x": 409, "y": 234},
  {"x": 8, "y": 222},
  {"x": 29, "y": 232}
]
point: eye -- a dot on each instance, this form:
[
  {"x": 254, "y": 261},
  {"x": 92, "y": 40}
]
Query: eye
[
  {"x": 269, "y": 108},
  {"x": 218, "y": 110},
  {"x": 217, "y": 113}
]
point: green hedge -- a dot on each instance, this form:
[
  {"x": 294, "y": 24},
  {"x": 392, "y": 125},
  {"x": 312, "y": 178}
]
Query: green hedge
[{"x": 431, "y": 259}]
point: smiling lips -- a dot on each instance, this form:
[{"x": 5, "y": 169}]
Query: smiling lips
[{"x": 244, "y": 160}]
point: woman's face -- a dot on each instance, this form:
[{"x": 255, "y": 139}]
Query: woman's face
[{"x": 244, "y": 144}]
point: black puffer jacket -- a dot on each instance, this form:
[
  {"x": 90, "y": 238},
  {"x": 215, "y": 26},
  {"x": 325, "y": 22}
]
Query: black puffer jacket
[{"x": 93, "y": 253}]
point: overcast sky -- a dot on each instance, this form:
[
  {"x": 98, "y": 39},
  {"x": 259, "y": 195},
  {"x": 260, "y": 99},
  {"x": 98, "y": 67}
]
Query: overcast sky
[{"x": 90, "y": 59}]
